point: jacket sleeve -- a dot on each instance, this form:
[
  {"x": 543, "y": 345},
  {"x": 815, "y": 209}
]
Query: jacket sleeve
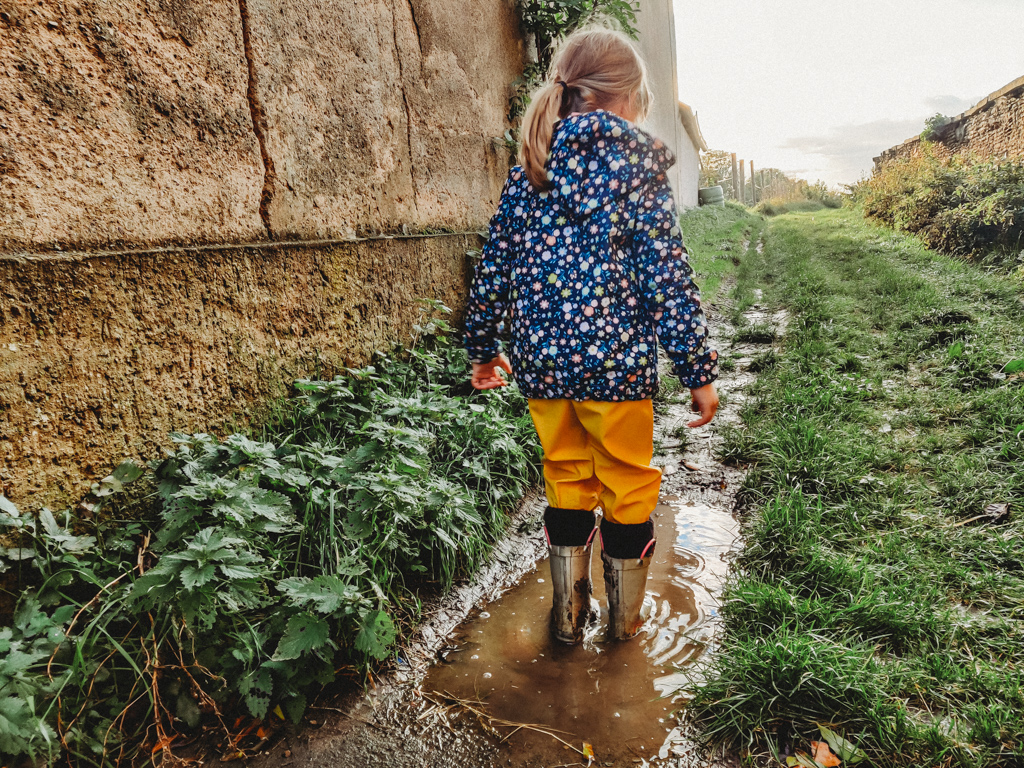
[
  {"x": 488, "y": 294},
  {"x": 665, "y": 280}
]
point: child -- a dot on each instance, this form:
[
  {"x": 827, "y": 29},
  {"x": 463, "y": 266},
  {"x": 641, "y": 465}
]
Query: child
[{"x": 585, "y": 257}]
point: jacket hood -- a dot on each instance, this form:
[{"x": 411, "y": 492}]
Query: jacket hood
[{"x": 598, "y": 157}]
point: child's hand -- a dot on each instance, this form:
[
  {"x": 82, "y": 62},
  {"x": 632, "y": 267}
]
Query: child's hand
[
  {"x": 705, "y": 402},
  {"x": 486, "y": 376}
]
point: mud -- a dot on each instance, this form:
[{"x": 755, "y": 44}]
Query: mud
[{"x": 496, "y": 690}]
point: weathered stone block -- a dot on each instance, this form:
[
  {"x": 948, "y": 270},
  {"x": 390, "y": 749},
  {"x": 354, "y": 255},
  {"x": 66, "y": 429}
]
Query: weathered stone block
[
  {"x": 125, "y": 123},
  {"x": 101, "y": 357},
  {"x": 382, "y": 116}
]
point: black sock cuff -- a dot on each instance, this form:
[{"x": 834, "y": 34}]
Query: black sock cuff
[
  {"x": 568, "y": 527},
  {"x": 626, "y": 541}
]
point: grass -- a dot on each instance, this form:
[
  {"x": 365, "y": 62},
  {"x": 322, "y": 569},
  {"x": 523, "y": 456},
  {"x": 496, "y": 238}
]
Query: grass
[
  {"x": 874, "y": 594},
  {"x": 715, "y": 238}
]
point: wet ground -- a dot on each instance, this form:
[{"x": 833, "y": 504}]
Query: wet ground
[{"x": 483, "y": 684}]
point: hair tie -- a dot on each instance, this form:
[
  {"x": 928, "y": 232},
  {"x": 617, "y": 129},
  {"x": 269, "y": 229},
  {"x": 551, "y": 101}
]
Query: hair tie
[{"x": 565, "y": 85}]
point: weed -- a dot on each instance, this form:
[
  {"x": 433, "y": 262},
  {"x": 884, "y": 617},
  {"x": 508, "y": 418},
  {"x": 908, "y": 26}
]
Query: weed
[
  {"x": 962, "y": 206},
  {"x": 275, "y": 560}
]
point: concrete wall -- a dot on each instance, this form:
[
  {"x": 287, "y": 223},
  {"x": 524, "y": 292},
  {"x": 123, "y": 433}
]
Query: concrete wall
[
  {"x": 155, "y": 155},
  {"x": 657, "y": 43},
  {"x": 992, "y": 128}
]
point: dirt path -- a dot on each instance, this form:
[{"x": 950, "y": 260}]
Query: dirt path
[{"x": 484, "y": 685}]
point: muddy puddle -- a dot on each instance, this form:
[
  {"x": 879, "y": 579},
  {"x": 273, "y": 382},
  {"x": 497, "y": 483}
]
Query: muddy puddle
[
  {"x": 483, "y": 684},
  {"x": 618, "y": 697}
]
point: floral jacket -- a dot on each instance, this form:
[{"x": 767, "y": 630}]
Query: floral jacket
[{"x": 591, "y": 272}]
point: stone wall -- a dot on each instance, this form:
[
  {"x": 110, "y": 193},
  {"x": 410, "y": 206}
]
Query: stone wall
[
  {"x": 103, "y": 355},
  {"x": 992, "y": 128},
  {"x": 186, "y": 189}
]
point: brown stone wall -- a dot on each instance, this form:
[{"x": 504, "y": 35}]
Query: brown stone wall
[
  {"x": 143, "y": 122},
  {"x": 186, "y": 192},
  {"x": 383, "y": 115},
  {"x": 103, "y": 355},
  {"x": 124, "y": 123},
  {"x": 993, "y": 128}
]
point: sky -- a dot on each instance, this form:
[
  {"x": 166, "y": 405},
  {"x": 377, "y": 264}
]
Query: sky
[{"x": 817, "y": 88}]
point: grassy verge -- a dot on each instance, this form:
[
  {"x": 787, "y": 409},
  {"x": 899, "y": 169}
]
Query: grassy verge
[
  {"x": 715, "y": 237},
  {"x": 269, "y": 564},
  {"x": 880, "y": 593}
]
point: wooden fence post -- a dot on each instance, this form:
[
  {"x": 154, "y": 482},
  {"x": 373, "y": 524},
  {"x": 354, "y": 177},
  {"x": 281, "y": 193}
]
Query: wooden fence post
[
  {"x": 753, "y": 184},
  {"x": 735, "y": 177},
  {"x": 743, "y": 183}
]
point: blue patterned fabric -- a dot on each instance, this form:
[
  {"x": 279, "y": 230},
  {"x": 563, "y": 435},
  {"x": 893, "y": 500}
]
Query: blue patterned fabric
[{"x": 590, "y": 273}]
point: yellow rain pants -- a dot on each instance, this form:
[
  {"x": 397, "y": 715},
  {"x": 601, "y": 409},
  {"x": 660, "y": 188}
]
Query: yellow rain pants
[{"x": 599, "y": 454}]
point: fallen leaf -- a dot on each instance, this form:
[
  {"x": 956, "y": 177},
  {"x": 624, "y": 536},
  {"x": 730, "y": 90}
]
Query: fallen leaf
[
  {"x": 997, "y": 510},
  {"x": 691, "y": 466},
  {"x": 588, "y": 752},
  {"x": 823, "y": 755},
  {"x": 279, "y": 712}
]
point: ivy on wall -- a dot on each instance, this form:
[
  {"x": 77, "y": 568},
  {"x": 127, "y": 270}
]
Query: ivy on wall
[{"x": 544, "y": 22}]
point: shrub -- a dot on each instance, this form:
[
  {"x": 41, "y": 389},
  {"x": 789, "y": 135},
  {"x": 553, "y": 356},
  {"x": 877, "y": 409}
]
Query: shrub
[{"x": 961, "y": 206}]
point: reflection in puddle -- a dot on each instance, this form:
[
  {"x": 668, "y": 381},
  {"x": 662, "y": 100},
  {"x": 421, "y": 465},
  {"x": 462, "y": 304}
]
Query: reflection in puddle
[{"x": 617, "y": 696}]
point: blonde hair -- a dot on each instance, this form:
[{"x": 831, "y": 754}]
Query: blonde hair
[{"x": 593, "y": 68}]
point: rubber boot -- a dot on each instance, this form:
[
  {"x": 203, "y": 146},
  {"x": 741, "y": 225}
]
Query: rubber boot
[
  {"x": 626, "y": 552},
  {"x": 570, "y": 534}
]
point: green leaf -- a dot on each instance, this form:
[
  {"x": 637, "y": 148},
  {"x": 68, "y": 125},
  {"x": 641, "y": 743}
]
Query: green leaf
[
  {"x": 802, "y": 760},
  {"x": 8, "y": 507},
  {"x": 192, "y": 577},
  {"x": 326, "y": 594},
  {"x": 18, "y": 553},
  {"x": 376, "y": 635},
  {"x": 21, "y": 729},
  {"x": 256, "y": 688},
  {"x": 955, "y": 350},
  {"x": 304, "y": 632},
  {"x": 1014, "y": 366},
  {"x": 128, "y": 472},
  {"x": 294, "y": 706},
  {"x": 845, "y": 750},
  {"x": 49, "y": 523}
]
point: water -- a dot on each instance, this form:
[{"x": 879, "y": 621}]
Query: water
[{"x": 618, "y": 697}]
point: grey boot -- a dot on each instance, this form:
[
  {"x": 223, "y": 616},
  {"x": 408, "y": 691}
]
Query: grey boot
[
  {"x": 626, "y": 552},
  {"x": 570, "y": 535},
  {"x": 572, "y": 607},
  {"x": 625, "y": 581}
]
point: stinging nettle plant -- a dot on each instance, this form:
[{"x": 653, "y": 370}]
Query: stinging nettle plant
[{"x": 269, "y": 561}]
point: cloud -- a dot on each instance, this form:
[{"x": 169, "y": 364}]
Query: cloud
[
  {"x": 849, "y": 150},
  {"x": 949, "y": 105}
]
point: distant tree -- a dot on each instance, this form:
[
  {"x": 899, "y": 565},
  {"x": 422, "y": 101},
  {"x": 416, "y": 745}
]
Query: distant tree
[{"x": 715, "y": 167}]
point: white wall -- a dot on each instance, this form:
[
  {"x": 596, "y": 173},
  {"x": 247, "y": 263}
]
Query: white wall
[{"x": 657, "y": 43}]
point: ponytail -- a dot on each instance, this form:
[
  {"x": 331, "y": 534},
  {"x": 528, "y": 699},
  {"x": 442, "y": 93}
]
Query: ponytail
[
  {"x": 538, "y": 125},
  {"x": 593, "y": 68}
]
